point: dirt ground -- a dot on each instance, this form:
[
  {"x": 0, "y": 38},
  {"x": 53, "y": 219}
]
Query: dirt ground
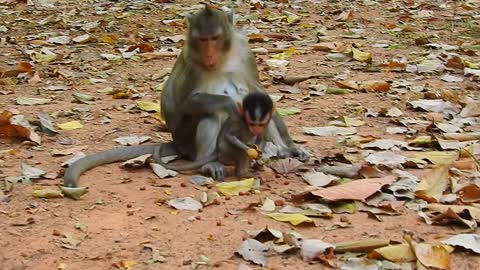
[{"x": 123, "y": 209}]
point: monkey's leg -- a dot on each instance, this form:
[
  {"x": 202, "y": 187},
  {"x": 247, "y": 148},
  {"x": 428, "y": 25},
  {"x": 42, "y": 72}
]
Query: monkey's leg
[
  {"x": 242, "y": 166},
  {"x": 73, "y": 172},
  {"x": 277, "y": 132},
  {"x": 206, "y": 137}
]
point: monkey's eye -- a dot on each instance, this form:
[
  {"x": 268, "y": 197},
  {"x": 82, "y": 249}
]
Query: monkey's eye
[
  {"x": 203, "y": 39},
  {"x": 216, "y": 37}
]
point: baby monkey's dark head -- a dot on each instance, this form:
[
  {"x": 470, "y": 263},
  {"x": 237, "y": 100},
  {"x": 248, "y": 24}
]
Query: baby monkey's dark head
[{"x": 256, "y": 110}]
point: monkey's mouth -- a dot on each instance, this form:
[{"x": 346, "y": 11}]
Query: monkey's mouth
[{"x": 211, "y": 67}]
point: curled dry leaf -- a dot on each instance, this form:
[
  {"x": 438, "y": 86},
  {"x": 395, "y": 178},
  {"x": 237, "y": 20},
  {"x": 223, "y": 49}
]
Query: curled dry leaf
[
  {"x": 161, "y": 171},
  {"x": 132, "y": 140},
  {"x": 469, "y": 241},
  {"x": 254, "y": 251},
  {"x": 136, "y": 162},
  {"x": 472, "y": 210},
  {"x": 318, "y": 179},
  {"x": 31, "y": 172},
  {"x": 287, "y": 165},
  {"x": 46, "y": 123},
  {"x": 436, "y": 256},
  {"x": 386, "y": 158},
  {"x": 313, "y": 248},
  {"x": 433, "y": 184},
  {"x": 341, "y": 170},
  {"x": 185, "y": 203}
]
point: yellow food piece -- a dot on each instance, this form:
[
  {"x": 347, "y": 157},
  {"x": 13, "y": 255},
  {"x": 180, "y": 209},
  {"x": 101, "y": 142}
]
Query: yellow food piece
[{"x": 252, "y": 153}]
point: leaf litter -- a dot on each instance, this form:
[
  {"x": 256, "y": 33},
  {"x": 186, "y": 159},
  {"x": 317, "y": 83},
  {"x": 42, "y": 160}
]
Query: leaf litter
[{"x": 417, "y": 85}]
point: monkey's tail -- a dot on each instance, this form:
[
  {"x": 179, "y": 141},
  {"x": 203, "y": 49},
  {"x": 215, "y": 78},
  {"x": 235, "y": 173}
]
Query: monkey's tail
[
  {"x": 73, "y": 172},
  {"x": 193, "y": 165}
]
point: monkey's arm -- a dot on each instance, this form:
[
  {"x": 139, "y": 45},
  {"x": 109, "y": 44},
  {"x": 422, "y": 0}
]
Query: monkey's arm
[
  {"x": 202, "y": 103},
  {"x": 73, "y": 172},
  {"x": 278, "y": 134},
  {"x": 233, "y": 140}
]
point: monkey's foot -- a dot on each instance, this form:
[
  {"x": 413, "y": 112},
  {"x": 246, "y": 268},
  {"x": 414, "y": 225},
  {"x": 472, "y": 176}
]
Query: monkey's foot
[
  {"x": 215, "y": 169},
  {"x": 296, "y": 152}
]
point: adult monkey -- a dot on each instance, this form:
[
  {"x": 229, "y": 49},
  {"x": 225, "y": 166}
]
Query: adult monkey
[{"x": 214, "y": 71}]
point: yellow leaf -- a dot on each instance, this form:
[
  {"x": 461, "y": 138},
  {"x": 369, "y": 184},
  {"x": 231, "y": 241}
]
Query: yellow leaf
[
  {"x": 293, "y": 19},
  {"x": 235, "y": 187},
  {"x": 470, "y": 64},
  {"x": 44, "y": 58},
  {"x": 294, "y": 219},
  {"x": 361, "y": 56},
  {"x": 174, "y": 212},
  {"x": 438, "y": 157},
  {"x": 128, "y": 264},
  {"x": 167, "y": 192},
  {"x": 47, "y": 193},
  {"x": 421, "y": 140},
  {"x": 307, "y": 25},
  {"x": 432, "y": 255},
  {"x": 122, "y": 94},
  {"x": 397, "y": 253},
  {"x": 284, "y": 55},
  {"x": 149, "y": 106},
  {"x": 70, "y": 125}
]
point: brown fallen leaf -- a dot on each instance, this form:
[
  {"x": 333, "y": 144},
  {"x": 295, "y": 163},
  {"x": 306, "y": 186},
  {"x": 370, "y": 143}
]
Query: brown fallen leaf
[
  {"x": 355, "y": 190},
  {"x": 470, "y": 193},
  {"x": 393, "y": 66},
  {"x": 360, "y": 245},
  {"x": 472, "y": 210},
  {"x": 375, "y": 86},
  {"x": 433, "y": 184},
  {"x": 432, "y": 255}
]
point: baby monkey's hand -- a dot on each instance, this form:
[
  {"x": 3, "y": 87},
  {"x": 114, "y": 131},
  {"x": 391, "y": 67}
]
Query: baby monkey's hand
[{"x": 253, "y": 152}]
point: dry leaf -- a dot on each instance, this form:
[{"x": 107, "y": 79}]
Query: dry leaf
[
  {"x": 468, "y": 241},
  {"x": 433, "y": 184},
  {"x": 355, "y": 190}
]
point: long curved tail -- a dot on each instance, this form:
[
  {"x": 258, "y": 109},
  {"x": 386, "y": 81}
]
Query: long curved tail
[
  {"x": 191, "y": 165},
  {"x": 73, "y": 172}
]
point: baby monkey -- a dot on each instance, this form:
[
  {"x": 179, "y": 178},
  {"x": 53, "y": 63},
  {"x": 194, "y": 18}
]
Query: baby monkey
[{"x": 239, "y": 140}]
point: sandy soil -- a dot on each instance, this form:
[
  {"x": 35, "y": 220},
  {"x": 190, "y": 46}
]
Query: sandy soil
[{"x": 123, "y": 209}]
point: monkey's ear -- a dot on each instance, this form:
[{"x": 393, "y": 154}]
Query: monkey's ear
[
  {"x": 240, "y": 108},
  {"x": 188, "y": 20},
  {"x": 230, "y": 16}
]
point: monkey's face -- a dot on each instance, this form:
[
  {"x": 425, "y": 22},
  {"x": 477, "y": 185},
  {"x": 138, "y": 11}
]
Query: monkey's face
[
  {"x": 209, "y": 37},
  {"x": 257, "y": 125},
  {"x": 210, "y": 49}
]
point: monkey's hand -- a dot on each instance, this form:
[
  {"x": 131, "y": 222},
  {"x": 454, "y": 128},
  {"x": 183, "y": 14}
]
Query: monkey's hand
[
  {"x": 215, "y": 169},
  {"x": 254, "y": 152}
]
